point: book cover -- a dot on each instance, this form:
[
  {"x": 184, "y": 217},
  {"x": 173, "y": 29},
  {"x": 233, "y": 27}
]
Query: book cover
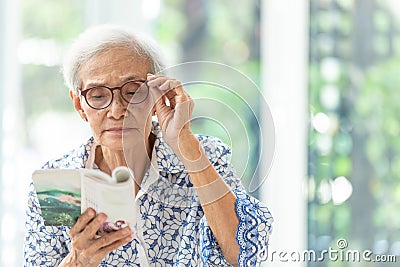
[{"x": 64, "y": 194}]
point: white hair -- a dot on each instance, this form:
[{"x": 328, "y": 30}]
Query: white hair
[{"x": 102, "y": 37}]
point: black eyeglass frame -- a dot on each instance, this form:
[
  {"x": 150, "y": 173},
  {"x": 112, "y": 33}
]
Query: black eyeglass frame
[{"x": 112, "y": 89}]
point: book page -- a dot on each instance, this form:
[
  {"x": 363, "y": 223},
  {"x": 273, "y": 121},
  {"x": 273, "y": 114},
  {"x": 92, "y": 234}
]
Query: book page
[{"x": 116, "y": 200}]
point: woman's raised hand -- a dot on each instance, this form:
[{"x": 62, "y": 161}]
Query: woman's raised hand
[
  {"x": 174, "y": 118},
  {"x": 87, "y": 248}
]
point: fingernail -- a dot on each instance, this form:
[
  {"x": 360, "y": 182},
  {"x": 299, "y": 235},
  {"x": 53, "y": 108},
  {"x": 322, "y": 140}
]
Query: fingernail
[
  {"x": 102, "y": 216},
  {"x": 91, "y": 212}
]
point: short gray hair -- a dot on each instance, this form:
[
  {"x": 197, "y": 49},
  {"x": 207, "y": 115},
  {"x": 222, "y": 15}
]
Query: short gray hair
[{"x": 102, "y": 37}]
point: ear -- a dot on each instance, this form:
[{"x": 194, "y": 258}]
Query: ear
[{"x": 77, "y": 104}]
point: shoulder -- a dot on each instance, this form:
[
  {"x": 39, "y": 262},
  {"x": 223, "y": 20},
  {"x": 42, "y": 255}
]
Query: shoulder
[
  {"x": 74, "y": 159},
  {"x": 213, "y": 146}
]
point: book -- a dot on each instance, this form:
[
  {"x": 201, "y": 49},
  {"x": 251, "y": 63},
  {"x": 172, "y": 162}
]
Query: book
[{"x": 64, "y": 194}]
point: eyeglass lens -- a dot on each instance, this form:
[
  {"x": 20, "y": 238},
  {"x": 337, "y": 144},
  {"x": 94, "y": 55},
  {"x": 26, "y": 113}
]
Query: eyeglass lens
[{"x": 132, "y": 92}]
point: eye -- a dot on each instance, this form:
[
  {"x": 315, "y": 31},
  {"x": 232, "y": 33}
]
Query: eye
[
  {"x": 131, "y": 87},
  {"x": 96, "y": 94},
  {"x": 134, "y": 92}
]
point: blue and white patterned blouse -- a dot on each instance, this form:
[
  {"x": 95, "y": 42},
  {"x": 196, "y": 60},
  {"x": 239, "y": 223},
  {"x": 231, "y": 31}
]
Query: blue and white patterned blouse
[{"x": 171, "y": 223}]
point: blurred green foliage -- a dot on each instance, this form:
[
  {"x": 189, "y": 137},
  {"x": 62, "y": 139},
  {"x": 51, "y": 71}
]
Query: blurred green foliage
[
  {"x": 362, "y": 141},
  {"x": 378, "y": 104},
  {"x": 57, "y": 21},
  {"x": 48, "y": 19},
  {"x": 44, "y": 90}
]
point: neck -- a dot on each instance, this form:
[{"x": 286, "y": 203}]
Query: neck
[
  {"x": 137, "y": 157},
  {"x": 107, "y": 159}
]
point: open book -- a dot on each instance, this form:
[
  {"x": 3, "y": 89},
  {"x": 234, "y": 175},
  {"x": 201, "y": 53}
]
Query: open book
[{"x": 65, "y": 193}]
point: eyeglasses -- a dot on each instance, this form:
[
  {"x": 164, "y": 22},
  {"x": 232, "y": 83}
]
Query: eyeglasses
[{"x": 100, "y": 97}]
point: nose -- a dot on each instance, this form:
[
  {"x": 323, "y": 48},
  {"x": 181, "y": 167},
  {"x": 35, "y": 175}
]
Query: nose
[{"x": 118, "y": 106}]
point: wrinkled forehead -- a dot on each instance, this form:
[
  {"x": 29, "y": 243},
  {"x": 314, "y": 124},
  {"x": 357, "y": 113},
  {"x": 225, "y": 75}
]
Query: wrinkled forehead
[{"x": 113, "y": 65}]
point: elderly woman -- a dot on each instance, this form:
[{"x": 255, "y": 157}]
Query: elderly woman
[{"x": 192, "y": 209}]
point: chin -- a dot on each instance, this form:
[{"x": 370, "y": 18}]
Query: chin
[
  {"x": 128, "y": 140},
  {"x": 113, "y": 144}
]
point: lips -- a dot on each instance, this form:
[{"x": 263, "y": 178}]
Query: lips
[{"x": 118, "y": 129}]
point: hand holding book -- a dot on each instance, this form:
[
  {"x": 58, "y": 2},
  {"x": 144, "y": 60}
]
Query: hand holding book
[
  {"x": 88, "y": 248},
  {"x": 100, "y": 208},
  {"x": 64, "y": 194}
]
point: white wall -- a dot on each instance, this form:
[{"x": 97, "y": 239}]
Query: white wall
[
  {"x": 284, "y": 82},
  {"x": 11, "y": 226}
]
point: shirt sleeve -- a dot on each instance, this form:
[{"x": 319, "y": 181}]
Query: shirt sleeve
[
  {"x": 44, "y": 245},
  {"x": 255, "y": 220}
]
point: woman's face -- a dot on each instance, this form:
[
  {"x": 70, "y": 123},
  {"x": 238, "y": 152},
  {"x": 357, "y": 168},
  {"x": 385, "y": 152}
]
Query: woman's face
[{"x": 112, "y": 68}]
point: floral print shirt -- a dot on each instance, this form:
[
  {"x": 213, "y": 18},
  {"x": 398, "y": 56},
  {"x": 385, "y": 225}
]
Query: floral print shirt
[{"x": 171, "y": 223}]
